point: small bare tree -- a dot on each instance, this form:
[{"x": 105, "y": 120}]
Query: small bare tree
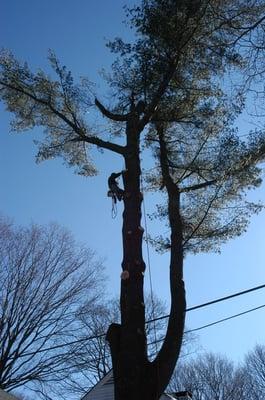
[
  {"x": 210, "y": 377},
  {"x": 45, "y": 277},
  {"x": 255, "y": 373}
]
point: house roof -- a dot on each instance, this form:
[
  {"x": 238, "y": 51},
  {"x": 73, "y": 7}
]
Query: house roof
[
  {"x": 104, "y": 390},
  {"x": 6, "y": 396}
]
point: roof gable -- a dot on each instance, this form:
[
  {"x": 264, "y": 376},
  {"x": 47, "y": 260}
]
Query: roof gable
[{"x": 104, "y": 390}]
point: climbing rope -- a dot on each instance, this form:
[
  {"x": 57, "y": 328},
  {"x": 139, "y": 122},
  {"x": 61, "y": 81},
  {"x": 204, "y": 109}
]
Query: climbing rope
[
  {"x": 114, "y": 193},
  {"x": 148, "y": 261},
  {"x": 150, "y": 279},
  {"x": 114, "y": 208}
]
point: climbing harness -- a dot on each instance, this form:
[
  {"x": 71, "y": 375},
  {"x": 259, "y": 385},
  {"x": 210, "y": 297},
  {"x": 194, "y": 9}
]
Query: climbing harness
[{"x": 114, "y": 187}]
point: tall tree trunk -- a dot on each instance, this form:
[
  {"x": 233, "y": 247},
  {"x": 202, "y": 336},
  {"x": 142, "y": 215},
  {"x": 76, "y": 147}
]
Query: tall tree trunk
[
  {"x": 135, "y": 377},
  {"x": 167, "y": 357},
  {"x": 128, "y": 342}
]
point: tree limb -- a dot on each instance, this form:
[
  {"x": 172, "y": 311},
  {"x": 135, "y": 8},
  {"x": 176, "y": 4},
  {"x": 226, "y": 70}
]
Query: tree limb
[
  {"x": 101, "y": 143},
  {"x": 82, "y": 137},
  {"x": 109, "y": 114},
  {"x": 198, "y": 186}
]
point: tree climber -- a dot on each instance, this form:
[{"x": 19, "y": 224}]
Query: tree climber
[{"x": 114, "y": 191}]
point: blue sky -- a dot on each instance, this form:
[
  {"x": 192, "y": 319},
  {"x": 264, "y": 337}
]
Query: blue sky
[{"x": 77, "y": 32}]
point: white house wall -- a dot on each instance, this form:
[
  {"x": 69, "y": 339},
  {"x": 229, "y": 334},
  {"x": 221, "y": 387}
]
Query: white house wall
[{"x": 104, "y": 390}]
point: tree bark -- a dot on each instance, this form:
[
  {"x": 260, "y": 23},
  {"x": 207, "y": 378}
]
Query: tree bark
[
  {"x": 130, "y": 356},
  {"x": 134, "y": 376},
  {"x": 167, "y": 357}
]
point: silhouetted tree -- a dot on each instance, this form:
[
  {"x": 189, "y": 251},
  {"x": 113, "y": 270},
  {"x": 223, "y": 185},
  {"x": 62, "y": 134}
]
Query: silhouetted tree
[
  {"x": 255, "y": 373},
  {"x": 210, "y": 377},
  {"x": 45, "y": 277}
]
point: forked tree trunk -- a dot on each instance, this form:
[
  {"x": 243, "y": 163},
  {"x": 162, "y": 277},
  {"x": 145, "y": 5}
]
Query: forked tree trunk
[{"x": 135, "y": 378}]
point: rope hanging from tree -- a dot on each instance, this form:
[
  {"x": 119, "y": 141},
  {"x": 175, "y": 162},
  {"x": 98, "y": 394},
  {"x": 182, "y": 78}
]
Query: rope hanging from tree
[
  {"x": 148, "y": 260},
  {"x": 116, "y": 193}
]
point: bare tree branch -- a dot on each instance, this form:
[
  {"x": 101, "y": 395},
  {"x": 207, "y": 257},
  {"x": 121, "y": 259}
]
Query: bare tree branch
[{"x": 45, "y": 278}]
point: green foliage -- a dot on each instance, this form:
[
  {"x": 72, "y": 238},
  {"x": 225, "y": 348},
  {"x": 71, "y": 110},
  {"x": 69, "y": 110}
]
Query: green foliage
[
  {"x": 214, "y": 169},
  {"x": 202, "y": 39},
  {"x": 178, "y": 64},
  {"x": 56, "y": 105}
]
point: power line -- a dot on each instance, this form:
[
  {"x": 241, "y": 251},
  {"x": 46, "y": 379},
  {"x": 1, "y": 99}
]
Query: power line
[
  {"x": 226, "y": 319},
  {"x": 216, "y": 301},
  {"x": 166, "y": 316},
  {"x": 219, "y": 321},
  {"x": 154, "y": 342}
]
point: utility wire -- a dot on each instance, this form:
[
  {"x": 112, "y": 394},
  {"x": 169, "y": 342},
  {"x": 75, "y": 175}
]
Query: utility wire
[
  {"x": 155, "y": 341},
  {"x": 231, "y": 296},
  {"x": 219, "y": 321},
  {"x": 166, "y": 316},
  {"x": 226, "y": 319}
]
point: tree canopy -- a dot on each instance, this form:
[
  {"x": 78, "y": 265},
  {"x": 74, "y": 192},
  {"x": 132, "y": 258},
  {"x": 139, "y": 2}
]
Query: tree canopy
[
  {"x": 181, "y": 69},
  {"x": 177, "y": 90}
]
